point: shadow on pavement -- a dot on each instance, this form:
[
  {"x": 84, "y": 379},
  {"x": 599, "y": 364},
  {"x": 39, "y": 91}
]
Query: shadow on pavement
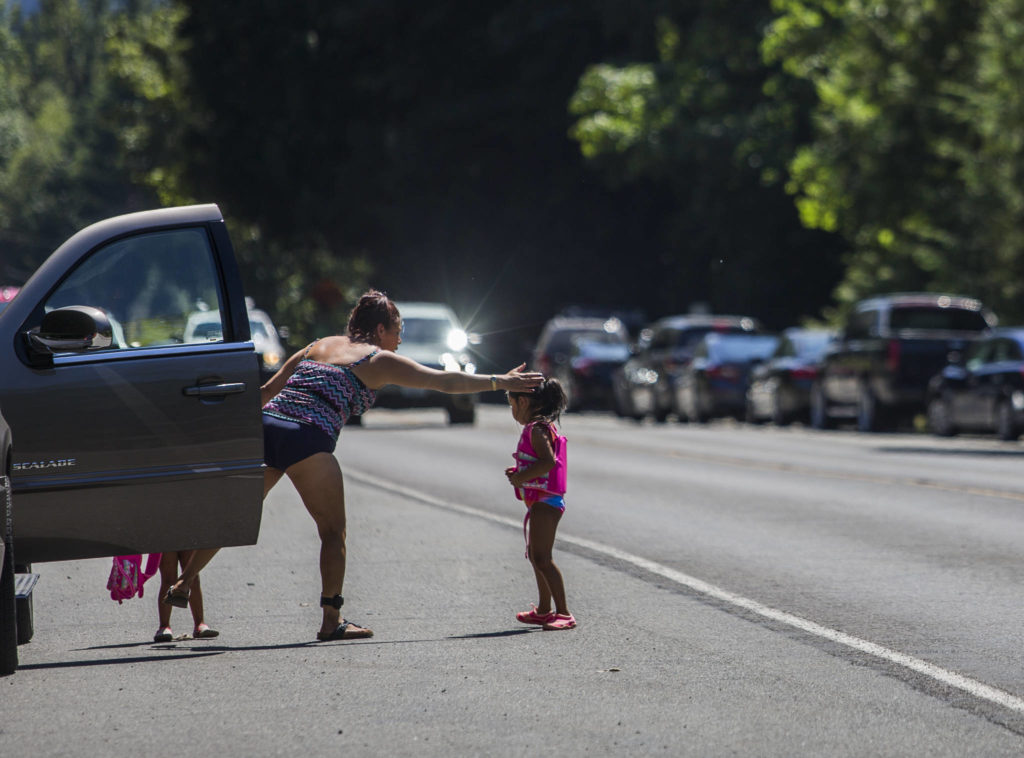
[
  {"x": 906, "y": 450},
  {"x": 109, "y": 661}
]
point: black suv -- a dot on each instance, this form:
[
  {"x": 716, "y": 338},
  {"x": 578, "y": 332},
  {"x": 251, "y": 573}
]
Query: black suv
[
  {"x": 877, "y": 370},
  {"x": 125, "y": 435}
]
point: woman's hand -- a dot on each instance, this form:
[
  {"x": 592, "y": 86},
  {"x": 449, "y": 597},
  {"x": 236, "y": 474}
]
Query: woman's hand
[{"x": 518, "y": 380}]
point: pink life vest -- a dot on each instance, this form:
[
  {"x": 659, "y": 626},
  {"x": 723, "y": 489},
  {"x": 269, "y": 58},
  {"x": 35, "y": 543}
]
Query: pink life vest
[{"x": 552, "y": 483}]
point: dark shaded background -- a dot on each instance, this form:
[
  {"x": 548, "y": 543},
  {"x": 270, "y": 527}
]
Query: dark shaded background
[{"x": 433, "y": 139}]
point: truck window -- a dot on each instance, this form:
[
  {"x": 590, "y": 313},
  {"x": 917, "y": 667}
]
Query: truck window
[
  {"x": 938, "y": 319},
  {"x": 979, "y": 353},
  {"x": 149, "y": 286},
  {"x": 861, "y": 324}
]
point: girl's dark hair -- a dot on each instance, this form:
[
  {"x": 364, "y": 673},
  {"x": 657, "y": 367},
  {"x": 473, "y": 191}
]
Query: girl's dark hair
[
  {"x": 373, "y": 308},
  {"x": 547, "y": 401}
]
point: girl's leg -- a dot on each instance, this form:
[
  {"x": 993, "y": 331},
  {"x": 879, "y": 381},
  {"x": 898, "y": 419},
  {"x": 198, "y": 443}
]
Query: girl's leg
[
  {"x": 321, "y": 486},
  {"x": 202, "y": 557},
  {"x": 195, "y": 598},
  {"x": 168, "y": 573},
  {"x": 543, "y": 523}
]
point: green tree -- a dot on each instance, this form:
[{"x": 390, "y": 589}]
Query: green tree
[
  {"x": 62, "y": 151},
  {"x": 913, "y": 156},
  {"x": 697, "y": 124}
]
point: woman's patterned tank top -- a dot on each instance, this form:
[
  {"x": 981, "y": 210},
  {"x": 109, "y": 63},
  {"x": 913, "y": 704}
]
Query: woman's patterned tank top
[{"x": 323, "y": 395}]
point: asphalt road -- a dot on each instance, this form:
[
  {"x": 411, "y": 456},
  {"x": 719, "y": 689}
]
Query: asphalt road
[{"x": 740, "y": 591}]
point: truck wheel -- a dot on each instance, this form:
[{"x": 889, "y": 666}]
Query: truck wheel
[
  {"x": 867, "y": 410},
  {"x": 1006, "y": 427},
  {"x": 23, "y": 613},
  {"x": 779, "y": 416},
  {"x": 819, "y": 409},
  {"x": 457, "y": 415},
  {"x": 8, "y": 617},
  {"x": 940, "y": 420}
]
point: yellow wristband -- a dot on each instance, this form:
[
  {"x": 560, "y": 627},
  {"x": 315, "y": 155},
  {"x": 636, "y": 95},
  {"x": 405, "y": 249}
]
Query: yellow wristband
[{"x": 494, "y": 382}]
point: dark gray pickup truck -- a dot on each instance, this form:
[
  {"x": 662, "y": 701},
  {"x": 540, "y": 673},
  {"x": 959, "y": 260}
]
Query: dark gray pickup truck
[
  {"x": 125, "y": 436},
  {"x": 878, "y": 370}
]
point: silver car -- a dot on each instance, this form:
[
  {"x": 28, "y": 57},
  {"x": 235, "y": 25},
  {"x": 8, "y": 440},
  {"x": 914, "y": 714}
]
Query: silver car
[{"x": 433, "y": 335}]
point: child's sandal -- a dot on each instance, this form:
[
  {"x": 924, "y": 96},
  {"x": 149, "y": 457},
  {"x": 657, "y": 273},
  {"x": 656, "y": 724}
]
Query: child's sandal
[
  {"x": 560, "y": 622},
  {"x": 163, "y": 634},
  {"x": 532, "y": 617}
]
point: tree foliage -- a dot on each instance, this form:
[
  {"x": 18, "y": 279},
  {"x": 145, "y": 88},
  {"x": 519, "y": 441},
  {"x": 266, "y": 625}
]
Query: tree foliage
[
  {"x": 696, "y": 122},
  {"x": 515, "y": 157},
  {"x": 70, "y": 120},
  {"x": 912, "y": 156}
]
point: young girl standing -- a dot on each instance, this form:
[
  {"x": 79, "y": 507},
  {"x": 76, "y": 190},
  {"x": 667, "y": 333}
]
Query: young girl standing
[{"x": 539, "y": 477}]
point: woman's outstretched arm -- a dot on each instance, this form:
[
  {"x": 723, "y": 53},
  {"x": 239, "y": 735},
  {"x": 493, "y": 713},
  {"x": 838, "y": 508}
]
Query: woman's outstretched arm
[{"x": 391, "y": 368}]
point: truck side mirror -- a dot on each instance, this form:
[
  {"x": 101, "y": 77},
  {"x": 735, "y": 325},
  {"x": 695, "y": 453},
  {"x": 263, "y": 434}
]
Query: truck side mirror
[{"x": 68, "y": 329}]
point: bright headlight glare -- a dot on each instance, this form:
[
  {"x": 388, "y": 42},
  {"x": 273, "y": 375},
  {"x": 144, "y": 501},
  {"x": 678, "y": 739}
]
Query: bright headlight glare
[
  {"x": 457, "y": 340},
  {"x": 271, "y": 359}
]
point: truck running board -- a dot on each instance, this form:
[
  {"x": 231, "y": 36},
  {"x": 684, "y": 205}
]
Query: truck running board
[{"x": 24, "y": 584}]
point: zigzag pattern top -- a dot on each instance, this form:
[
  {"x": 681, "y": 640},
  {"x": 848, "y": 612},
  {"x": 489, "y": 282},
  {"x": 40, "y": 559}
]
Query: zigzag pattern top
[{"x": 323, "y": 395}]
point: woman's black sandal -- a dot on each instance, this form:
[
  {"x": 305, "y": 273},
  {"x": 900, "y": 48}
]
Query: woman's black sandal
[
  {"x": 341, "y": 631},
  {"x": 177, "y": 599}
]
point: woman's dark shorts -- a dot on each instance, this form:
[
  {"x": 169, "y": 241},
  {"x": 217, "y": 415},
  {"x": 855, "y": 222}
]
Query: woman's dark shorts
[{"x": 285, "y": 443}]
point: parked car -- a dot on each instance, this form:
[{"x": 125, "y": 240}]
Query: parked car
[
  {"x": 433, "y": 336},
  {"x": 984, "y": 392},
  {"x": 587, "y": 375},
  {"x": 553, "y": 351},
  {"x": 645, "y": 385},
  {"x": 137, "y": 445},
  {"x": 715, "y": 382},
  {"x": 205, "y": 325},
  {"x": 780, "y": 388},
  {"x": 878, "y": 368}
]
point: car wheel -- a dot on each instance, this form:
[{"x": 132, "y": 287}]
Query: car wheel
[
  {"x": 820, "y": 418},
  {"x": 8, "y": 613},
  {"x": 571, "y": 403},
  {"x": 940, "y": 419},
  {"x": 623, "y": 403},
  {"x": 1006, "y": 426},
  {"x": 750, "y": 415},
  {"x": 458, "y": 415},
  {"x": 700, "y": 415},
  {"x": 779, "y": 416},
  {"x": 867, "y": 410}
]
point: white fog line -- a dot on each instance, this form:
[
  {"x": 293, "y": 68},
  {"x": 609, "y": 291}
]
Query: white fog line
[{"x": 950, "y": 678}]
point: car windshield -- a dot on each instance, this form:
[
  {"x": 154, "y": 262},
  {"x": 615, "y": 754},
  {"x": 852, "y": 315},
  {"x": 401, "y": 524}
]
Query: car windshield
[
  {"x": 741, "y": 347},
  {"x": 942, "y": 319},
  {"x": 426, "y": 331},
  {"x": 258, "y": 329}
]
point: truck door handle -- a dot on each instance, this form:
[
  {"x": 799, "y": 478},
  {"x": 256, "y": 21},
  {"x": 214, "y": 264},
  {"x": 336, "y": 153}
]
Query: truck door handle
[{"x": 215, "y": 390}]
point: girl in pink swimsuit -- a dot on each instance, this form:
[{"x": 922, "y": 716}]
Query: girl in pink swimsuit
[{"x": 539, "y": 478}]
